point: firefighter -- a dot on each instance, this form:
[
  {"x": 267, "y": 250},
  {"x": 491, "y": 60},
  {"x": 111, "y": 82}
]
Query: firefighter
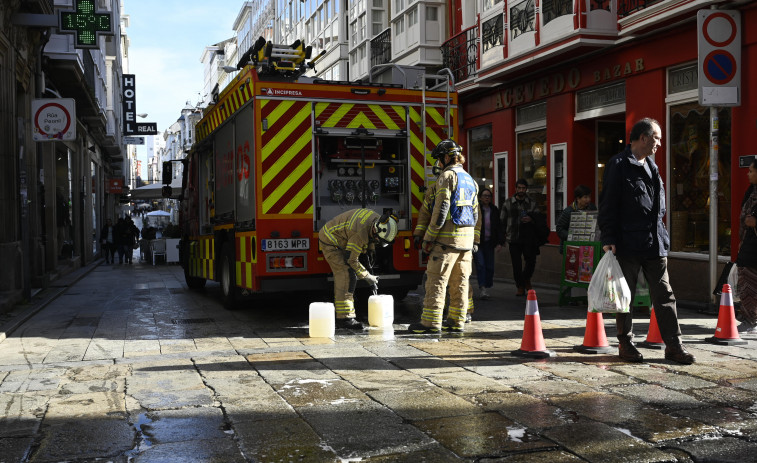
[
  {"x": 343, "y": 239},
  {"x": 448, "y": 230}
]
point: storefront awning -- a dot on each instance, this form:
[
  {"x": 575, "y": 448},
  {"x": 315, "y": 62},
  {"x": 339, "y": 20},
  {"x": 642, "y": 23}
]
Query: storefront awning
[{"x": 155, "y": 191}]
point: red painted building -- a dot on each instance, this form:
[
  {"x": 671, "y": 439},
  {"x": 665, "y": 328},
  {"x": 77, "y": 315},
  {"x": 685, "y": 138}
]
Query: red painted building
[{"x": 549, "y": 90}]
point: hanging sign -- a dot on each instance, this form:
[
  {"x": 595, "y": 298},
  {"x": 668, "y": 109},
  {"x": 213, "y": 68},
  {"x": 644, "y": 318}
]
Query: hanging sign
[{"x": 54, "y": 119}]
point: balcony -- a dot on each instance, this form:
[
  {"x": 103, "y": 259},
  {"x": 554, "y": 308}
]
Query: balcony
[
  {"x": 510, "y": 39},
  {"x": 460, "y": 54},
  {"x": 381, "y": 48}
]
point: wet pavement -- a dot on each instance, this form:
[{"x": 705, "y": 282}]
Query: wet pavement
[{"x": 125, "y": 364}]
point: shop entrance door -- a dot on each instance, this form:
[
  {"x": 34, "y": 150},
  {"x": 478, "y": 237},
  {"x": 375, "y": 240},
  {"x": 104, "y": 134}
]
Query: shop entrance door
[{"x": 611, "y": 140}]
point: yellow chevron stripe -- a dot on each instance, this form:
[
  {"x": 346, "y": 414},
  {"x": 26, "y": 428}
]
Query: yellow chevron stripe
[
  {"x": 379, "y": 111},
  {"x": 436, "y": 115},
  {"x": 338, "y": 114},
  {"x": 282, "y": 163},
  {"x": 281, "y": 137},
  {"x": 361, "y": 120},
  {"x": 303, "y": 194}
]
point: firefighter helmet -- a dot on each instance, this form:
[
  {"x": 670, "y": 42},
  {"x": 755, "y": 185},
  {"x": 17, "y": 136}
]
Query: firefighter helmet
[
  {"x": 446, "y": 147},
  {"x": 385, "y": 229}
]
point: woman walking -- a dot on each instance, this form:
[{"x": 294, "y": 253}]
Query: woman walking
[
  {"x": 747, "y": 256},
  {"x": 492, "y": 239}
]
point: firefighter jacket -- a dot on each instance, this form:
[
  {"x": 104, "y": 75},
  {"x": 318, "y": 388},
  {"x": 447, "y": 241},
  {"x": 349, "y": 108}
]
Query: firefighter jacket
[
  {"x": 351, "y": 232},
  {"x": 435, "y": 220}
]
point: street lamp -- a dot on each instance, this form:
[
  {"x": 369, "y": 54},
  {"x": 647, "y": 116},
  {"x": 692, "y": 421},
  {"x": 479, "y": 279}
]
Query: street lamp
[{"x": 143, "y": 115}]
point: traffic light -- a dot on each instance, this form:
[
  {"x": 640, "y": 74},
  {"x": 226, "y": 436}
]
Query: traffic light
[{"x": 167, "y": 172}]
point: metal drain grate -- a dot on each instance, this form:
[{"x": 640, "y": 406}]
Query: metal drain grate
[{"x": 190, "y": 321}]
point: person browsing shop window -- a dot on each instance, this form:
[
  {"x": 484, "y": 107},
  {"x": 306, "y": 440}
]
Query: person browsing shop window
[
  {"x": 492, "y": 239},
  {"x": 581, "y": 202},
  {"x": 631, "y": 208}
]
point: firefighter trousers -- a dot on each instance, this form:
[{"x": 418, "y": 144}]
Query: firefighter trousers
[
  {"x": 345, "y": 280},
  {"x": 447, "y": 268}
]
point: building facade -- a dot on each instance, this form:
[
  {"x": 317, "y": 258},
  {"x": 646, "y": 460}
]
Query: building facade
[
  {"x": 56, "y": 192},
  {"x": 549, "y": 92}
]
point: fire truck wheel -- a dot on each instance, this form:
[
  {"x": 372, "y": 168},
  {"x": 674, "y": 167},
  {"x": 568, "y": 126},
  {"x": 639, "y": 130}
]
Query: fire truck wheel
[
  {"x": 229, "y": 290},
  {"x": 193, "y": 282}
]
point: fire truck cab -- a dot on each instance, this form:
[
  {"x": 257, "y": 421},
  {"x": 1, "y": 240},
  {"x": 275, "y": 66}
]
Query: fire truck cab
[{"x": 279, "y": 154}]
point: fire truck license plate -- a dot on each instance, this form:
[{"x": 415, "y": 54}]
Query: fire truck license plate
[{"x": 286, "y": 244}]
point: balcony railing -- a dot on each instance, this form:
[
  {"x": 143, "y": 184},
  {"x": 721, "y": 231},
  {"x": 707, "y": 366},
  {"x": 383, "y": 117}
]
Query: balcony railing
[
  {"x": 627, "y": 7},
  {"x": 460, "y": 53},
  {"x": 381, "y": 48}
]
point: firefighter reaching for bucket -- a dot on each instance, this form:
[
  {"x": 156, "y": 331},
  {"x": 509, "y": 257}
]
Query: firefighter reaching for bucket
[
  {"x": 448, "y": 230},
  {"x": 343, "y": 239}
]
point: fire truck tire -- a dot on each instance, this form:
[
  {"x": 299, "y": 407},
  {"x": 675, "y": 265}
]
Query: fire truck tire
[
  {"x": 193, "y": 282},
  {"x": 229, "y": 290}
]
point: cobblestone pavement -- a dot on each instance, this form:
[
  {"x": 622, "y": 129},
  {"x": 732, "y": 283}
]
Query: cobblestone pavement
[{"x": 126, "y": 364}]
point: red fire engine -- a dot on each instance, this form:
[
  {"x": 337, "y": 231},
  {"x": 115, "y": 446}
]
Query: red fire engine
[{"x": 279, "y": 154}]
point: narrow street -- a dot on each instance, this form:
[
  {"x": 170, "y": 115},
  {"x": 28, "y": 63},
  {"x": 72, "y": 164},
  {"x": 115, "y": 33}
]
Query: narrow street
[{"x": 126, "y": 364}]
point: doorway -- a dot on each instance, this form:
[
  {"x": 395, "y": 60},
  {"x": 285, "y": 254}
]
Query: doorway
[{"x": 611, "y": 140}]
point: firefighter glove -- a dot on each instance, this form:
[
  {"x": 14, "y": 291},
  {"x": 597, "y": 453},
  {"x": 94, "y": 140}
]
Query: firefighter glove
[
  {"x": 371, "y": 279},
  {"x": 428, "y": 246},
  {"x": 475, "y": 248},
  {"x": 417, "y": 240}
]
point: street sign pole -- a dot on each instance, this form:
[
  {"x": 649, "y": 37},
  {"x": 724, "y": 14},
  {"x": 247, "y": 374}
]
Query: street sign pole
[
  {"x": 714, "y": 130},
  {"x": 719, "y": 72}
]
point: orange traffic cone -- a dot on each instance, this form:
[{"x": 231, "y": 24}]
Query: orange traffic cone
[
  {"x": 726, "y": 333},
  {"x": 654, "y": 338},
  {"x": 595, "y": 339},
  {"x": 532, "y": 344}
]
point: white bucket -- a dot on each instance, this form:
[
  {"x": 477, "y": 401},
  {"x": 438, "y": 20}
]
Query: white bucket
[
  {"x": 381, "y": 310},
  {"x": 322, "y": 323}
]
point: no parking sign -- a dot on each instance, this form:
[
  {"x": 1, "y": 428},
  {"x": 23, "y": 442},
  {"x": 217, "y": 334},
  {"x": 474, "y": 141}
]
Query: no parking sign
[{"x": 719, "y": 41}]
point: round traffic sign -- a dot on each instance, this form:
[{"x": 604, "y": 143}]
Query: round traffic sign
[
  {"x": 719, "y": 67},
  {"x": 52, "y": 120},
  {"x": 719, "y": 29}
]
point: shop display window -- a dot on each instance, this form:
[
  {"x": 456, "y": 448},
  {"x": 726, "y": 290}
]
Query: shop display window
[
  {"x": 480, "y": 158},
  {"x": 532, "y": 165},
  {"x": 689, "y": 184}
]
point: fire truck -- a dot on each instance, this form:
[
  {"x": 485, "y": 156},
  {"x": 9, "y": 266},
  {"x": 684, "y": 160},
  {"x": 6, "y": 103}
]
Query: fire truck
[{"x": 279, "y": 154}]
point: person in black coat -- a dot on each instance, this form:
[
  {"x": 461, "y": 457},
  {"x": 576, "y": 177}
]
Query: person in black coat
[
  {"x": 492, "y": 239},
  {"x": 631, "y": 209},
  {"x": 108, "y": 240}
]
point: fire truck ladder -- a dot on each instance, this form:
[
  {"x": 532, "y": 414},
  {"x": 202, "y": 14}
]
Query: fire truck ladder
[{"x": 442, "y": 82}]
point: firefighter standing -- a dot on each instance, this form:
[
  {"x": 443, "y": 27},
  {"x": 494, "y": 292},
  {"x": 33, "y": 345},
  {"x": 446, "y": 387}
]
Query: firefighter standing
[
  {"x": 343, "y": 239},
  {"x": 448, "y": 230}
]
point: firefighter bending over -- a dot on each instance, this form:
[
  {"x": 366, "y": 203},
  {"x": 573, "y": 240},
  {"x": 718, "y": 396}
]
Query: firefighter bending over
[
  {"x": 448, "y": 230},
  {"x": 343, "y": 239}
]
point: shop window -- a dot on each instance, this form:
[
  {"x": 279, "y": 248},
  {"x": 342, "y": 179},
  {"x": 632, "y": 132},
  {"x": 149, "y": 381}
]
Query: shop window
[
  {"x": 532, "y": 165},
  {"x": 689, "y": 184},
  {"x": 480, "y": 156}
]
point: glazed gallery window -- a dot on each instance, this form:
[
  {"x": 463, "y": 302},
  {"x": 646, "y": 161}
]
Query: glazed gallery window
[
  {"x": 532, "y": 165},
  {"x": 480, "y": 156},
  {"x": 689, "y": 184}
]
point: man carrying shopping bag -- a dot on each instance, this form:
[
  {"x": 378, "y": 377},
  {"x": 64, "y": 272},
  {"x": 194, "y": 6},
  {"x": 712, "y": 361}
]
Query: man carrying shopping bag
[{"x": 631, "y": 209}]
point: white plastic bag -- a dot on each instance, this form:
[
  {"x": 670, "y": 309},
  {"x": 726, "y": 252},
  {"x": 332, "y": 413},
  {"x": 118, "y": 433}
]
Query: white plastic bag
[
  {"x": 608, "y": 289},
  {"x": 733, "y": 280}
]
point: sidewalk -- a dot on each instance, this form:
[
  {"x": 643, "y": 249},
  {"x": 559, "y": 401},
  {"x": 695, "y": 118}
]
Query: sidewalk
[{"x": 129, "y": 365}]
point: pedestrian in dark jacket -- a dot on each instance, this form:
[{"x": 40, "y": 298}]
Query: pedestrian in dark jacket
[
  {"x": 492, "y": 239},
  {"x": 130, "y": 234},
  {"x": 518, "y": 215},
  {"x": 631, "y": 209},
  {"x": 108, "y": 241}
]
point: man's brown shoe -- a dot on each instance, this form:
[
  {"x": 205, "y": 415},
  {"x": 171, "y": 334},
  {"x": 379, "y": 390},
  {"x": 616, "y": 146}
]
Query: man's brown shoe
[
  {"x": 678, "y": 353},
  {"x": 520, "y": 292},
  {"x": 628, "y": 352}
]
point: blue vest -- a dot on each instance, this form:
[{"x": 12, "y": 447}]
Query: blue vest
[{"x": 463, "y": 199}]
